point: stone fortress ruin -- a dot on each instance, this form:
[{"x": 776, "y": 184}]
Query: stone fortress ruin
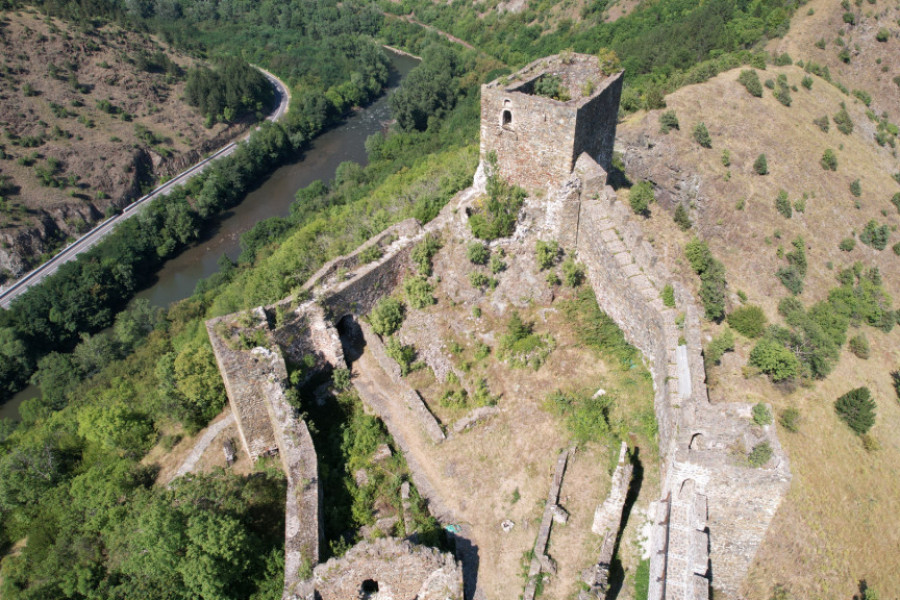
[{"x": 714, "y": 509}]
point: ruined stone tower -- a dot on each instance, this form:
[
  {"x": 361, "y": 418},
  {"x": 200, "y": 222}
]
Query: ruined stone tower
[{"x": 538, "y": 138}]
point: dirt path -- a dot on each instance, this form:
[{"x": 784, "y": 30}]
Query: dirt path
[{"x": 202, "y": 444}]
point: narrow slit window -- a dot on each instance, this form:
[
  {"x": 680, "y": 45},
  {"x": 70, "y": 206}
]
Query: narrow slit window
[{"x": 506, "y": 119}]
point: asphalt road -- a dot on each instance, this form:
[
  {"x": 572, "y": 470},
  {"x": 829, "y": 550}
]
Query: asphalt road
[{"x": 92, "y": 237}]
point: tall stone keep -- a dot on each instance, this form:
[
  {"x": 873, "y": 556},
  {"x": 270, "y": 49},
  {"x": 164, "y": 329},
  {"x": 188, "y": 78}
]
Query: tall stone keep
[{"x": 537, "y": 138}]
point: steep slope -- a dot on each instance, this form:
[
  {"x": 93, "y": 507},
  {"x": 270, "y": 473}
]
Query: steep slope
[
  {"x": 830, "y": 531},
  {"x": 89, "y": 118}
]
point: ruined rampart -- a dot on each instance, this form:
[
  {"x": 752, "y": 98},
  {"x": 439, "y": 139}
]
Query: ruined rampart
[{"x": 716, "y": 509}]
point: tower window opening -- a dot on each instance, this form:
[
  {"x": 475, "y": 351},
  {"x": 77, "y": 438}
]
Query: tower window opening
[{"x": 507, "y": 118}]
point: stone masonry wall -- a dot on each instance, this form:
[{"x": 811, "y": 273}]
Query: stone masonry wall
[
  {"x": 716, "y": 509},
  {"x": 536, "y": 138}
]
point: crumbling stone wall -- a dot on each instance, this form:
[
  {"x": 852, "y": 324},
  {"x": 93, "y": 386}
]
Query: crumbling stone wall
[
  {"x": 397, "y": 569},
  {"x": 536, "y": 138},
  {"x": 244, "y": 375},
  {"x": 702, "y": 476}
]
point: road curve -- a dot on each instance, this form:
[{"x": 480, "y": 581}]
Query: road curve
[{"x": 101, "y": 230}]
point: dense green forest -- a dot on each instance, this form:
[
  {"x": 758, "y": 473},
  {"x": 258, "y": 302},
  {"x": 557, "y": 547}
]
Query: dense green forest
[
  {"x": 662, "y": 44},
  {"x": 229, "y": 91}
]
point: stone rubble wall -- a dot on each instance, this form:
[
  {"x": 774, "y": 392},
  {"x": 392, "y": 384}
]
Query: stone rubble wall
[
  {"x": 607, "y": 520},
  {"x": 540, "y": 558}
]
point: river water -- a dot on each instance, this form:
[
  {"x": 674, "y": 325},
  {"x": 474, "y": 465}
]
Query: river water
[{"x": 178, "y": 277}]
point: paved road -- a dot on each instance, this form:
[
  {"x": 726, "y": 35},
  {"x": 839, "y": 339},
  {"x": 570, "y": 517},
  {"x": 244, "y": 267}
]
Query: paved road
[{"x": 91, "y": 238}]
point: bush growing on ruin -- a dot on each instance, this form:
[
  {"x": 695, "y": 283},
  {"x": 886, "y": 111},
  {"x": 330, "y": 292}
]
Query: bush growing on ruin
[
  {"x": 418, "y": 292},
  {"x": 641, "y": 197},
  {"x": 760, "y": 455},
  {"x": 520, "y": 346},
  {"x": 586, "y": 417},
  {"x": 573, "y": 272},
  {"x": 857, "y": 409},
  {"x": 761, "y": 414},
  {"x": 424, "y": 252},
  {"x": 387, "y": 316},
  {"x": 750, "y": 80},
  {"x": 701, "y": 135},
  {"x": 499, "y": 212},
  {"x": 668, "y": 121},
  {"x": 750, "y": 321},
  {"x": 546, "y": 254},
  {"x": 404, "y": 355},
  {"x": 477, "y": 253},
  {"x": 668, "y": 296}
]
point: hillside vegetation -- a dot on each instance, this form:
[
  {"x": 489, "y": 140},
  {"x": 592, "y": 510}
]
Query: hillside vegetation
[
  {"x": 829, "y": 533},
  {"x": 91, "y": 117}
]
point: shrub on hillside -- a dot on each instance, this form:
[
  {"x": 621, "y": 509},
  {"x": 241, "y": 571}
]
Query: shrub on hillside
[
  {"x": 418, "y": 292},
  {"x": 822, "y": 123},
  {"x": 829, "y": 158},
  {"x": 712, "y": 278},
  {"x": 882, "y": 35},
  {"x": 668, "y": 121},
  {"x": 641, "y": 197},
  {"x": 774, "y": 359},
  {"x": 790, "y": 419},
  {"x": 761, "y": 165},
  {"x": 857, "y": 409},
  {"x": 701, "y": 135},
  {"x": 403, "y": 355},
  {"x": 719, "y": 345},
  {"x": 750, "y": 80},
  {"x": 895, "y": 378},
  {"x": 855, "y": 188},
  {"x": 895, "y": 200},
  {"x": 807, "y": 82},
  {"x": 387, "y": 316},
  {"x": 750, "y": 321},
  {"x": 782, "y": 92},
  {"x": 875, "y": 235},
  {"x": 793, "y": 274},
  {"x": 859, "y": 345},
  {"x": 847, "y": 244},
  {"x": 681, "y": 217},
  {"x": 843, "y": 121},
  {"x": 783, "y": 204}
]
